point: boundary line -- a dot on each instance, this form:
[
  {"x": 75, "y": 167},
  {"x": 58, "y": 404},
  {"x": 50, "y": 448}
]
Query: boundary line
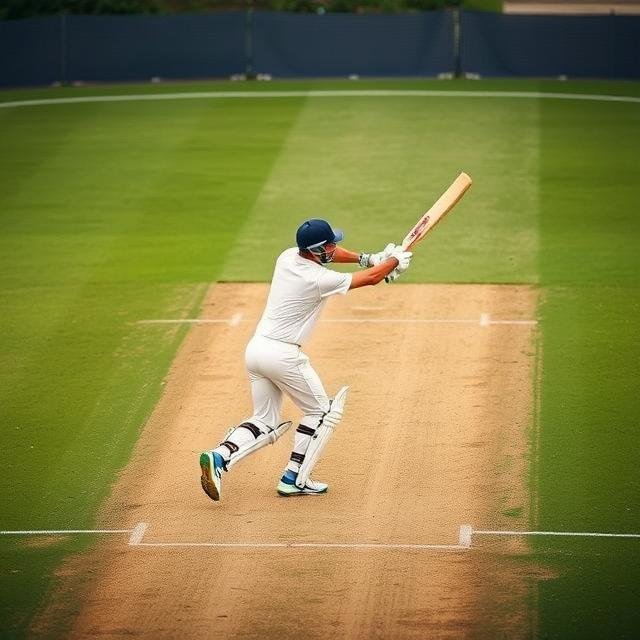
[{"x": 363, "y": 93}]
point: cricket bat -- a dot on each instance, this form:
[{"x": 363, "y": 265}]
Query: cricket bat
[{"x": 440, "y": 208}]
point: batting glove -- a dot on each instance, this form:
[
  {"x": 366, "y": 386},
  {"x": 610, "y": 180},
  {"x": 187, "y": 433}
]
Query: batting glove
[
  {"x": 392, "y": 277},
  {"x": 403, "y": 258},
  {"x": 374, "y": 259}
]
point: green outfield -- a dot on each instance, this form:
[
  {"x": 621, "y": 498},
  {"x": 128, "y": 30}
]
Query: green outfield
[{"x": 115, "y": 212}]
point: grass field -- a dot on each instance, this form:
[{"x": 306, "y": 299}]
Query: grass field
[{"x": 114, "y": 212}]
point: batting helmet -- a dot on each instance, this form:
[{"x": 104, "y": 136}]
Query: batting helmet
[{"x": 315, "y": 233}]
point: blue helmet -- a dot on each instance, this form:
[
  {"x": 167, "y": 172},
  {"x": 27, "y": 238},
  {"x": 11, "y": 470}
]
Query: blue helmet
[{"x": 315, "y": 233}]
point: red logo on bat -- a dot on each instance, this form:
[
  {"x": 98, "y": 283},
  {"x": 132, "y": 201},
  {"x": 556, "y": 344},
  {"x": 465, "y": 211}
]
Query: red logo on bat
[{"x": 419, "y": 227}]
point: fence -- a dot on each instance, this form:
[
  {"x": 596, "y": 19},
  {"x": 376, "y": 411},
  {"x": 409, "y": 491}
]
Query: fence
[{"x": 124, "y": 48}]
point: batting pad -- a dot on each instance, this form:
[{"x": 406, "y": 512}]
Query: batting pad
[{"x": 321, "y": 437}]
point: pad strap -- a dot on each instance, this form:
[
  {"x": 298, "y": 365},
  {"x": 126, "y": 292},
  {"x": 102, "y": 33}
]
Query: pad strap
[{"x": 262, "y": 438}]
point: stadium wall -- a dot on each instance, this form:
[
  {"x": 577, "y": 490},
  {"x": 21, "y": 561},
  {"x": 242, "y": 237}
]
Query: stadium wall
[{"x": 67, "y": 49}]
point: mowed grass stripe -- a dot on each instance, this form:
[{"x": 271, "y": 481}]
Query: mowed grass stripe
[
  {"x": 113, "y": 213},
  {"x": 587, "y": 470},
  {"x": 591, "y": 268},
  {"x": 372, "y": 167}
]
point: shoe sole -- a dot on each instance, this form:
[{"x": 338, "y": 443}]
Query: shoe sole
[
  {"x": 206, "y": 479},
  {"x": 300, "y": 493}
]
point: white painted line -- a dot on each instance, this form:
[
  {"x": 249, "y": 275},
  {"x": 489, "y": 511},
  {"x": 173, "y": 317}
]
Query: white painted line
[
  {"x": 465, "y": 535},
  {"x": 305, "y": 545},
  {"x": 464, "y": 539},
  {"x": 396, "y": 321},
  {"x": 381, "y": 93},
  {"x": 185, "y": 321},
  {"x": 235, "y": 321},
  {"x": 483, "y": 318},
  {"x": 60, "y": 532},
  {"x": 556, "y": 533},
  {"x": 137, "y": 534}
]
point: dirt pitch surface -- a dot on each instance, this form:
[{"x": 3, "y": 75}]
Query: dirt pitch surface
[{"x": 436, "y": 434}]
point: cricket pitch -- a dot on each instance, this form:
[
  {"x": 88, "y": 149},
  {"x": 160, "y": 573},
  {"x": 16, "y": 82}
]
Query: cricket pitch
[{"x": 436, "y": 433}]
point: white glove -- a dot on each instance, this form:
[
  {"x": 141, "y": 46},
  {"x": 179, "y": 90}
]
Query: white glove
[
  {"x": 374, "y": 259},
  {"x": 394, "y": 275},
  {"x": 403, "y": 258}
]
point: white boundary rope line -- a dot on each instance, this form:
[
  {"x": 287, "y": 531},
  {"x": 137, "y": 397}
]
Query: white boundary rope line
[{"x": 364, "y": 93}]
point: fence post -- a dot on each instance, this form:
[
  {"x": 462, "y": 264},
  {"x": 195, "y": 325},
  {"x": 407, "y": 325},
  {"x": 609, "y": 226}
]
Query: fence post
[
  {"x": 64, "y": 79},
  {"x": 457, "y": 39},
  {"x": 249, "y": 70}
]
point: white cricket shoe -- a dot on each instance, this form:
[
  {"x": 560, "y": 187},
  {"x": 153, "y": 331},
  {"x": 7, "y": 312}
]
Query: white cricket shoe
[{"x": 287, "y": 486}]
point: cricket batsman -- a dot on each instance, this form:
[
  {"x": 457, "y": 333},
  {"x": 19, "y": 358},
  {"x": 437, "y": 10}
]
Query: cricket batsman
[{"x": 276, "y": 364}]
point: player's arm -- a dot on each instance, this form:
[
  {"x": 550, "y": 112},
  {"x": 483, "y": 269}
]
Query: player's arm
[
  {"x": 398, "y": 262},
  {"x": 373, "y": 275},
  {"x": 345, "y": 256},
  {"x": 363, "y": 259}
]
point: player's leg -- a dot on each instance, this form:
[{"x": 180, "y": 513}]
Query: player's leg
[
  {"x": 255, "y": 432},
  {"x": 249, "y": 436},
  {"x": 267, "y": 404},
  {"x": 303, "y": 385}
]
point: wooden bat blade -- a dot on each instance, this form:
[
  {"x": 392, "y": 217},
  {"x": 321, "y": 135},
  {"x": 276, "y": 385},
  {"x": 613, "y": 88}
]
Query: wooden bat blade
[{"x": 440, "y": 208}]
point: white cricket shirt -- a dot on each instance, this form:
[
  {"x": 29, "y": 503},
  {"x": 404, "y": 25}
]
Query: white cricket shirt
[{"x": 299, "y": 290}]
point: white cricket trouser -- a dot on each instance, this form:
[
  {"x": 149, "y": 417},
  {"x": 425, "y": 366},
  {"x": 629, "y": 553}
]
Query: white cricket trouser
[{"x": 279, "y": 367}]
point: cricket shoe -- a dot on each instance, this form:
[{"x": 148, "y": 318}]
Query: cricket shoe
[
  {"x": 211, "y": 464},
  {"x": 287, "y": 486}
]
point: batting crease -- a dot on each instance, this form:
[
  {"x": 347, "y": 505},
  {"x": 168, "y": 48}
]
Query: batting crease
[
  {"x": 466, "y": 533},
  {"x": 484, "y": 321}
]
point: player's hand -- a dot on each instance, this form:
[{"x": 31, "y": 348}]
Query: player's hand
[
  {"x": 392, "y": 277},
  {"x": 403, "y": 258},
  {"x": 374, "y": 259}
]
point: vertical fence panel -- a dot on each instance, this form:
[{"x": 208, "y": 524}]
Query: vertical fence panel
[
  {"x": 31, "y": 52},
  {"x": 625, "y": 39},
  {"x": 547, "y": 46},
  {"x": 125, "y": 48},
  {"x": 111, "y": 48},
  {"x": 299, "y": 45}
]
